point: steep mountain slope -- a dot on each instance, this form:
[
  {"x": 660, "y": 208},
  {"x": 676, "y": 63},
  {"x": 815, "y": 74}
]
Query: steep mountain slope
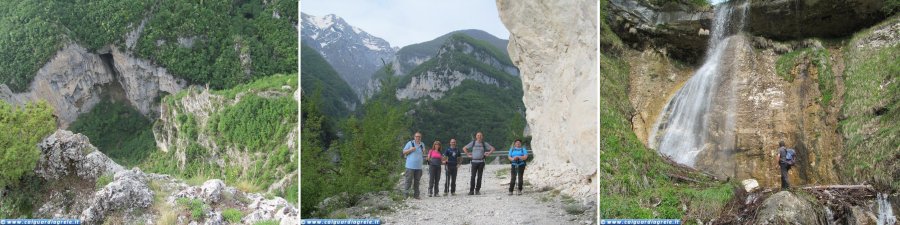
[
  {"x": 317, "y": 75},
  {"x": 410, "y": 56},
  {"x": 244, "y": 135},
  {"x": 463, "y": 89},
  {"x": 353, "y": 53}
]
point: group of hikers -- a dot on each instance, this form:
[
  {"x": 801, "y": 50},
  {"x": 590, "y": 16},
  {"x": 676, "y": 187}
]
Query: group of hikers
[{"x": 415, "y": 152}]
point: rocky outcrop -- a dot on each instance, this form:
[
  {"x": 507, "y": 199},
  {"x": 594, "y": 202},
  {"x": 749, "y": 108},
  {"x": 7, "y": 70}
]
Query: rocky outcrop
[
  {"x": 681, "y": 30},
  {"x": 797, "y": 19},
  {"x": 128, "y": 192},
  {"x": 445, "y": 73},
  {"x": 64, "y": 153},
  {"x": 70, "y": 167},
  {"x": 676, "y": 29},
  {"x": 143, "y": 82},
  {"x": 557, "y": 58},
  {"x": 75, "y": 80},
  {"x": 786, "y": 208}
]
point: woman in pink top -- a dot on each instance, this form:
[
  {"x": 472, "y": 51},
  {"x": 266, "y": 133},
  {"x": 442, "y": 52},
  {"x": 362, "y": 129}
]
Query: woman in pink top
[{"x": 434, "y": 168}]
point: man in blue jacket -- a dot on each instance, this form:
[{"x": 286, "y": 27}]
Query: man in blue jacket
[{"x": 414, "y": 152}]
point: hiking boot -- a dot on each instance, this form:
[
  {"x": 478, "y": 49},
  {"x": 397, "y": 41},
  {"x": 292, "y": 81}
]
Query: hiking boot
[
  {"x": 471, "y": 193},
  {"x": 454, "y": 193},
  {"x": 520, "y": 192},
  {"x": 418, "y": 198},
  {"x": 510, "y": 193},
  {"x": 477, "y": 192},
  {"x": 445, "y": 193},
  {"x": 429, "y": 195}
]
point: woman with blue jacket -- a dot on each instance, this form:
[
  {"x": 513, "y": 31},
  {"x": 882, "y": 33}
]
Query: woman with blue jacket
[{"x": 517, "y": 156}]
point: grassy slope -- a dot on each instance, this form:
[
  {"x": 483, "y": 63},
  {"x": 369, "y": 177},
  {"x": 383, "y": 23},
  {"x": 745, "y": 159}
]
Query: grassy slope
[
  {"x": 635, "y": 180},
  {"x": 872, "y": 109}
]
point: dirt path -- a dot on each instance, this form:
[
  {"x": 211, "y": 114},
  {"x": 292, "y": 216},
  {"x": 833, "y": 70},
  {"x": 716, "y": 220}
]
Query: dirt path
[{"x": 493, "y": 206}]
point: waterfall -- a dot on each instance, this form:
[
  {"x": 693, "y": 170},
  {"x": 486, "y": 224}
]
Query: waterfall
[
  {"x": 681, "y": 130},
  {"x": 885, "y": 213}
]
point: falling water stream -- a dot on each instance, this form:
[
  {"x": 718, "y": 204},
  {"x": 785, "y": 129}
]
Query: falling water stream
[
  {"x": 885, "y": 213},
  {"x": 681, "y": 130}
]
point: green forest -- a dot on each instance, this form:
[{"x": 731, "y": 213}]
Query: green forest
[{"x": 222, "y": 31}]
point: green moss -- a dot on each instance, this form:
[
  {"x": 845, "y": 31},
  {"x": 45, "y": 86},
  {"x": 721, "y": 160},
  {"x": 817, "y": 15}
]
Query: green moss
[
  {"x": 103, "y": 180},
  {"x": 786, "y": 63}
]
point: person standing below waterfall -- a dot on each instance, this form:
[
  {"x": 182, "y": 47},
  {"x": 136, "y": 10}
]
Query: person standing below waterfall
[
  {"x": 413, "y": 151},
  {"x": 517, "y": 156},
  {"x": 478, "y": 147},
  {"x": 451, "y": 156},
  {"x": 785, "y": 162},
  {"x": 434, "y": 169}
]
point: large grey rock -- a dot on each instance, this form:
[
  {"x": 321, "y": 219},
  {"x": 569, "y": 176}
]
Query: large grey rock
[
  {"x": 786, "y": 208},
  {"x": 63, "y": 151},
  {"x": 553, "y": 43},
  {"x": 270, "y": 209},
  {"x": 128, "y": 191}
]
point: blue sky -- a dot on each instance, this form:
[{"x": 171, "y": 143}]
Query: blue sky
[{"x": 405, "y": 22}]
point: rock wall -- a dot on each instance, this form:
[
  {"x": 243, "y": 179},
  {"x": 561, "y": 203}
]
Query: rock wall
[
  {"x": 75, "y": 80},
  {"x": 67, "y": 82},
  {"x": 554, "y": 46}
]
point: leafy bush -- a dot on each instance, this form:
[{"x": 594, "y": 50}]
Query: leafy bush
[
  {"x": 254, "y": 121},
  {"x": 117, "y": 130},
  {"x": 195, "y": 206},
  {"x": 232, "y": 215},
  {"x": 22, "y": 128}
]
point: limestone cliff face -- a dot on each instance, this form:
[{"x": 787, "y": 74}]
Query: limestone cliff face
[
  {"x": 554, "y": 46},
  {"x": 75, "y": 80},
  {"x": 446, "y": 71},
  {"x": 70, "y": 82},
  {"x": 143, "y": 82}
]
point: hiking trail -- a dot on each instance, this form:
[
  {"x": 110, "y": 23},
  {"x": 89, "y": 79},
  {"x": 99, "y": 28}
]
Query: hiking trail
[{"x": 493, "y": 206}]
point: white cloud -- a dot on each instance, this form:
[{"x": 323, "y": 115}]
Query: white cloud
[{"x": 405, "y": 22}]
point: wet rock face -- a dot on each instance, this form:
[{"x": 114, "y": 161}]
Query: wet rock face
[
  {"x": 767, "y": 108},
  {"x": 681, "y": 30},
  {"x": 678, "y": 29},
  {"x": 786, "y": 208},
  {"x": 554, "y": 46},
  {"x": 795, "y": 19}
]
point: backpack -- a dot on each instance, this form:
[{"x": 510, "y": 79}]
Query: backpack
[
  {"x": 402, "y": 149},
  {"x": 789, "y": 156}
]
